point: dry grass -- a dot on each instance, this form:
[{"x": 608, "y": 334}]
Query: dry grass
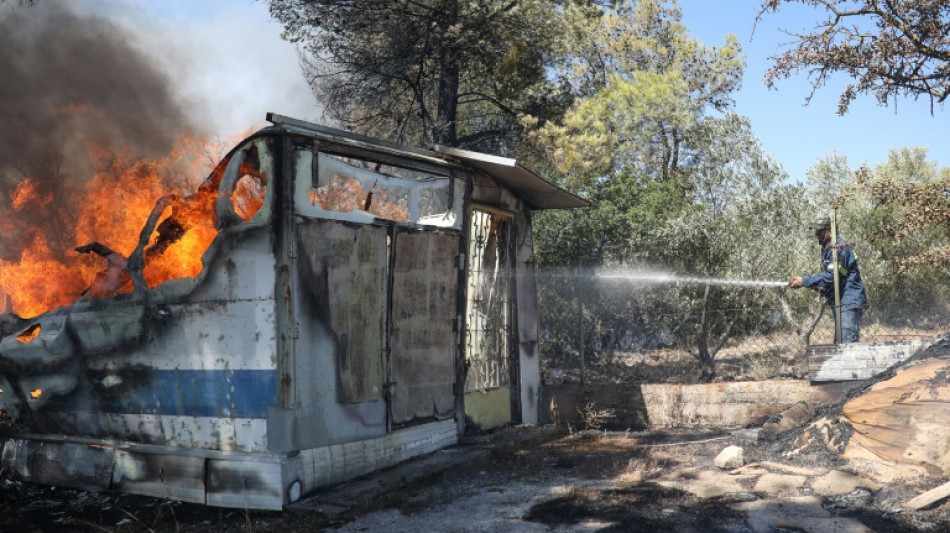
[{"x": 749, "y": 358}]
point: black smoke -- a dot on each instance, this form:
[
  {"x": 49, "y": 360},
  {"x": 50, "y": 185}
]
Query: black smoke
[{"x": 70, "y": 81}]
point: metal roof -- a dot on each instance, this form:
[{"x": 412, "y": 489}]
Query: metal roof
[{"x": 535, "y": 190}]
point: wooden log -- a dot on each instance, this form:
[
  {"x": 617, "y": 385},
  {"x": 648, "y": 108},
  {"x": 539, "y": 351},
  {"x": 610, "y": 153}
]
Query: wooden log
[{"x": 929, "y": 497}]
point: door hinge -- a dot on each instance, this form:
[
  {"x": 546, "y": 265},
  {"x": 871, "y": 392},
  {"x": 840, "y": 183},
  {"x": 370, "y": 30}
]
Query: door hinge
[{"x": 294, "y": 330}]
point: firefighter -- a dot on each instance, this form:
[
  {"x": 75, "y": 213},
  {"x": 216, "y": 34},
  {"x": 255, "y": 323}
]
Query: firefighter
[{"x": 853, "y": 299}]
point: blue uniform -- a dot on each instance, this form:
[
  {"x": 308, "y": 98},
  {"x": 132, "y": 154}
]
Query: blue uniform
[{"x": 853, "y": 297}]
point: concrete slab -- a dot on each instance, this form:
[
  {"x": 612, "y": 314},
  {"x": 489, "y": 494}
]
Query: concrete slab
[
  {"x": 705, "y": 483},
  {"x": 798, "y": 513},
  {"x": 859, "y": 360},
  {"x": 836, "y": 483},
  {"x": 779, "y": 483},
  {"x": 340, "y": 498},
  {"x": 730, "y": 405},
  {"x": 359, "y": 492}
]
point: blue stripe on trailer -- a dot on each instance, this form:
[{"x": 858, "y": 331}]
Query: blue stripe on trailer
[{"x": 211, "y": 393}]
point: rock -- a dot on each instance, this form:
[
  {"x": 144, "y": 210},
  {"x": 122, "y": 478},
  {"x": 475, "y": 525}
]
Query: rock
[
  {"x": 795, "y": 416},
  {"x": 729, "y": 458},
  {"x": 803, "y": 513},
  {"x": 779, "y": 483},
  {"x": 704, "y": 483},
  {"x": 855, "y": 501},
  {"x": 736, "y": 497},
  {"x": 836, "y": 483}
]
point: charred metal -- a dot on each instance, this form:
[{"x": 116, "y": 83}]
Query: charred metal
[{"x": 359, "y": 303}]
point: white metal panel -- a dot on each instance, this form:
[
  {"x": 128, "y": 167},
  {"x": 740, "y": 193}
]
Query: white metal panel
[
  {"x": 529, "y": 357},
  {"x": 237, "y": 335},
  {"x": 327, "y": 465},
  {"x": 204, "y": 433},
  {"x": 534, "y": 189},
  {"x": 178, "y": 477},
  {"x": 256, "y": 484}
]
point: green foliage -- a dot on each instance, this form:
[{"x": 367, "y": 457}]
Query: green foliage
[
  {"x": 674, "y": 185},
  {"x": 898, "y": 217},
  {"x": 642, "y": 86},
  {"x": 450, "y": 72}
]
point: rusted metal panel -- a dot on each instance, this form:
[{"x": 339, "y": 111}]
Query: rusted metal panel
[
  {"x": 424, "y": 295},
  {"x": 178, "y": 477},
  {"x": 61, "y": 464},
  {"x": 357, "y": 283},
  {"x": 529, "y": 358},
  {"x": 254, "y": 484},
  {"x": 489, "y": 192}
]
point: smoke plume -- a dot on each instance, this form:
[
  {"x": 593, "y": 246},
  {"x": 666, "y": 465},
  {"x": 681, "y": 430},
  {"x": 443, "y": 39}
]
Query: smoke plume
[{"x": 73, "y": 84}]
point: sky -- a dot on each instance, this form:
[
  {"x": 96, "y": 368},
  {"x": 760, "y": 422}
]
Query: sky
[
  {"x": 231, "y": 64},
  {"x": 797, "y": 135},
  {"x": 235, "y": 67}
]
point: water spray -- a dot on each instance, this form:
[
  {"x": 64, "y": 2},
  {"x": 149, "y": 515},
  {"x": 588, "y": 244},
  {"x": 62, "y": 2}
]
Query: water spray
[{"x": 655, "y": 278}]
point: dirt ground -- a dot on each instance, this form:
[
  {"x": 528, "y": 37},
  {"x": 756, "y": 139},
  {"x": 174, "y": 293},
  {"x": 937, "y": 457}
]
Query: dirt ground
[{"x": 540, "y": 480}]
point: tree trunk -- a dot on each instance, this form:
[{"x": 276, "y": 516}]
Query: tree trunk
[
  {"x": 445, "y": 132},
  {"x": 807, "y": 327}
]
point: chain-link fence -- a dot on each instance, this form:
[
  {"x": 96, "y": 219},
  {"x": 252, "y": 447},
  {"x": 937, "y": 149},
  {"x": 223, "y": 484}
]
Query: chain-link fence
[{"x": 598, "y": 332}]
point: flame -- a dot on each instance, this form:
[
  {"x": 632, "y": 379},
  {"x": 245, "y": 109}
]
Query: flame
[
  {"x": 110, "y": 208},
  {"x": 347, "y": 194},
  {"x": 35, "y": 393},
  {"x": 31, "y": 333},
  {"x": 28, "y": 192}
]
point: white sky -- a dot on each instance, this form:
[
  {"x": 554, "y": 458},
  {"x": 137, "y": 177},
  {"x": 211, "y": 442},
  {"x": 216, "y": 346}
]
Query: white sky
[{"x": 232, "y": 64}]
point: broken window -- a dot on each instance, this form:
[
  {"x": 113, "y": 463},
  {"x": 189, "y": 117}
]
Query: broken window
[
  {"x": 488, "y": 322},
  {"x": 247, "y": 196},
  {"x": 353, "y": 188}
]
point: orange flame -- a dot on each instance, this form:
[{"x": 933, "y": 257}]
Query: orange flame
[
  {"x": 111, "y": 208},
  {"x": 31, "y": 333},
  {"x": 35, "y": 393},
  {"x": 26, "y": 192}
]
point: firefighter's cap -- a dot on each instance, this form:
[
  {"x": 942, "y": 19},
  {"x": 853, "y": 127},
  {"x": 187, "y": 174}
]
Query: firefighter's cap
[{"x": 820, "y": 224}]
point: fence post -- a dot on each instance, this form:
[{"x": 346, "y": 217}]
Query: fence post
[{"x": 837, "y": 281}]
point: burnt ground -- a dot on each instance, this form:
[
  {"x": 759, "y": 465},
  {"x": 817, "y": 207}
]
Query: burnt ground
[{"x": 525, "y": 480}]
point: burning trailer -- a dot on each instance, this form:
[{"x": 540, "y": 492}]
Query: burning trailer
[{"x": 357, "y": 303}]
